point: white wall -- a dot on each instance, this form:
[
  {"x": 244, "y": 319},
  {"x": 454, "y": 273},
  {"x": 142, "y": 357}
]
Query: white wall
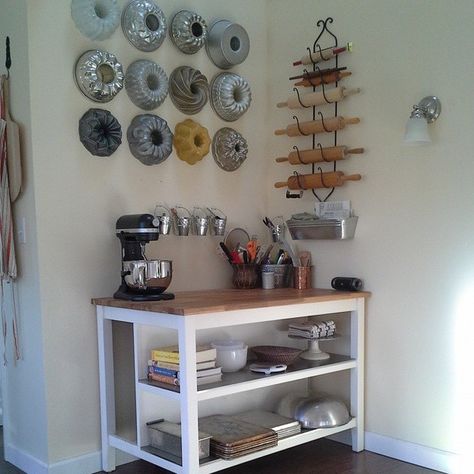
[
  {"x": 413, "y": 247},
  {"x": 80, "y": 197},
  {"x": 24, "y": 390}
]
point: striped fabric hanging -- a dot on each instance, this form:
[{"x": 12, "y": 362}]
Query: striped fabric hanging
[{"x": 8, "y": 268}]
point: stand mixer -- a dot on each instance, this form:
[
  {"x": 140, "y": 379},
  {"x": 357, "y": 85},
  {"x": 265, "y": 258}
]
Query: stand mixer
[{"x": 142, "y": 279}]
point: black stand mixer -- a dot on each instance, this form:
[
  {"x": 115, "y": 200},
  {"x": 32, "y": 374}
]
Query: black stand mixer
[{"x": 142, "y": 279}]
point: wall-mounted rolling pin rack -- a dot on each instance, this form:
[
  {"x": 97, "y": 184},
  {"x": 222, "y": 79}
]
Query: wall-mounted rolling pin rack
[{"x": 318, "y": 79}]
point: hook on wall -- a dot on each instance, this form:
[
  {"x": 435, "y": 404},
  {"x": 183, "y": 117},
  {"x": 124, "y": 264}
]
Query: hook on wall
[{"x": 8, "y": 57}]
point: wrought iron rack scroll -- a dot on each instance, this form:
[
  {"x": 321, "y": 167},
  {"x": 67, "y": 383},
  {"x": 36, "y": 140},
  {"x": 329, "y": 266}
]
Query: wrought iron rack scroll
[{"x": 323, "y": 25}]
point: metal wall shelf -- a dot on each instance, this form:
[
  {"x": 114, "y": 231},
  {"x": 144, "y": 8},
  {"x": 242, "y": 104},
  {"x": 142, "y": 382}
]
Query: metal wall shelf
[{"x": 328, "y": 229}]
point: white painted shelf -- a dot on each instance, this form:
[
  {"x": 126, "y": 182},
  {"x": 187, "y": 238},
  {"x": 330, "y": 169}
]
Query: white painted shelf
[{"x": 188, "y": 315}]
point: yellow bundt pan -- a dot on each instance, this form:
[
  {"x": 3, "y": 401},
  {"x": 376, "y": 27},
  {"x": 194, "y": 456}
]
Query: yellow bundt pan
[{"x": 191, "y": 141}]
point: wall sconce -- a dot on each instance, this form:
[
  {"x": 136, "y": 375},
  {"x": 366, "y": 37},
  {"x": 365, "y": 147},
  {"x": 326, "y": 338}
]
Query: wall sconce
[{"x": 427, "y": 111}]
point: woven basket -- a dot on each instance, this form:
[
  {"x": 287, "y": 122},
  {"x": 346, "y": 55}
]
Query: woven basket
[{"x": 277, "y": 354}]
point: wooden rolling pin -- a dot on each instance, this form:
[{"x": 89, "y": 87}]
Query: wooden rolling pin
[
  {"x": 318, "y": 98},
  {"x": 316, "y": 126},
  {"x": 332, "y": 153},
  {"x": 312, "y": 181},
  {"x": 323, "y": 79},
  {"x": 320, "y": 72},
  {"x": 323, "y": 55}
]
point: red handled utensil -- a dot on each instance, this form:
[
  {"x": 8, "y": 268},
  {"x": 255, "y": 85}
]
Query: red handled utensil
[{"x": 252, "y": 250}]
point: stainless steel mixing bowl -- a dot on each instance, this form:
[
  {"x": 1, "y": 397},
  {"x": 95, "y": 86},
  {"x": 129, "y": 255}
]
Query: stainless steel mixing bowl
[
  {"x": 322, "y": 412},
  {"x": 314, "y": 412},
  {"x": 147, "y": 274}
]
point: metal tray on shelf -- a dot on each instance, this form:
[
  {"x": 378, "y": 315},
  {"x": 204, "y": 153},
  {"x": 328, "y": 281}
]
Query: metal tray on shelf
[{"x": 335, "y": 229}]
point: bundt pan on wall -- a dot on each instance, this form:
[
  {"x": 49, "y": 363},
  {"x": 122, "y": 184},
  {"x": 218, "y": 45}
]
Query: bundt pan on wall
[
  {"x": 150, "y": 139},
  {"x": 191, "y": 141},
  {"x": 100, "y": 132},
  {"x": 99, "y": 75},
  {"x": 229, "y": 149},
  {"x": 230, "y": 96},
  {"x": 146, "y": 84},
  {"x": 144, "y": 25},
  {"x": 96, "y": 19},
  {"x": 189, "y": 89},
  {"x": 227, "y": 44},
  {"x": 188, "y": 31}
]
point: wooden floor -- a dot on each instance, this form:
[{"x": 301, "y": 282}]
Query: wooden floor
[{"x": 318, "y": 457}]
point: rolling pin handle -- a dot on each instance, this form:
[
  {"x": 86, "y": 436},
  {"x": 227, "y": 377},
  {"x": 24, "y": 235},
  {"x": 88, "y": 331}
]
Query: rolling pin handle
[
  {"x": 351, "y": 177},
  {"x": 280, "y": 105},
  {"x": 352, "y": 120},
  {"x": 280, "y": 132},
  {"x": 355, "y": 151},
  {"x": 346, "y": 92},
  {"x": 281, "y": 184},
  {"x": 281, "y": 159}
]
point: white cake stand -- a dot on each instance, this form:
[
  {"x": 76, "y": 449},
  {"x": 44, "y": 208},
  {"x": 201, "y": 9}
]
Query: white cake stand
[{"x": 314, "y": 352}]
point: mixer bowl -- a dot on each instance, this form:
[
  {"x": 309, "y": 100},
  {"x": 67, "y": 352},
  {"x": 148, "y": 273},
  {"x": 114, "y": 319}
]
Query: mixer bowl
[{"x": 148, "y": 274}]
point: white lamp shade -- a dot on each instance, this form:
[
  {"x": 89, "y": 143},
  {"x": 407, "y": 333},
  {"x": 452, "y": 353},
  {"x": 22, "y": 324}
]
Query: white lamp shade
[{"x": 416, "y": 132}]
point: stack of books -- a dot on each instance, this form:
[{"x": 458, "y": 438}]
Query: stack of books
[{"x": 164, "y": 366}]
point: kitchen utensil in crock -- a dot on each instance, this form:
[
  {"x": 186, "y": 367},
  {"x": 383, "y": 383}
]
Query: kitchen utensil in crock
[
  {"x": 245, "y": 275},
  {"x": 235, "y": 236}
]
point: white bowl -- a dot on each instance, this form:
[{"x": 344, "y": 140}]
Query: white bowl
[
  {"x": 227, "y": 344},
  {"x": 231, "y": 360}
]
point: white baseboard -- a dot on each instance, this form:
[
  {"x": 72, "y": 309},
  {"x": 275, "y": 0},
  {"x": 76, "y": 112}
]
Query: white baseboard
[
  {"x": 430, "y": 458},
  {"x": 87, "y": 464},
  {"x": 24, "y": 461},
  {"x": 424, "y": 456}
]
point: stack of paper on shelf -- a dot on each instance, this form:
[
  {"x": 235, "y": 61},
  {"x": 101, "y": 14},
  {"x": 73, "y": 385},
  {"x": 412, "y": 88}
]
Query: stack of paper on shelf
[
  {"x": 282, "y": 425},
  {"x": 164, "y": 366},
  {"x": 232, "y": 437},
  {"x": 311, "y": 330}
]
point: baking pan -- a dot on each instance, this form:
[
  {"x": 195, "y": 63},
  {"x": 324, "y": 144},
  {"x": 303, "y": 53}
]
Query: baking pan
[{"x": 166, "y": 436}]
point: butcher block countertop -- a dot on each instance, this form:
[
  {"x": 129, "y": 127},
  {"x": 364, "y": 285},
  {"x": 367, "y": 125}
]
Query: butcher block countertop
[{"x": 188, "y": 303}]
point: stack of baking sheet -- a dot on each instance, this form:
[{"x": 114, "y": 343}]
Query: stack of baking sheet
[
  {"x": 282, "y": 425},
  {"x": 232, "y": 437},
  {"x": 310, "y": 330}
]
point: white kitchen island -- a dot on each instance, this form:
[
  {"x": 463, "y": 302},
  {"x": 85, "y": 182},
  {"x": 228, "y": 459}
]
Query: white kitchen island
[{"x": 189, "y": 316}]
